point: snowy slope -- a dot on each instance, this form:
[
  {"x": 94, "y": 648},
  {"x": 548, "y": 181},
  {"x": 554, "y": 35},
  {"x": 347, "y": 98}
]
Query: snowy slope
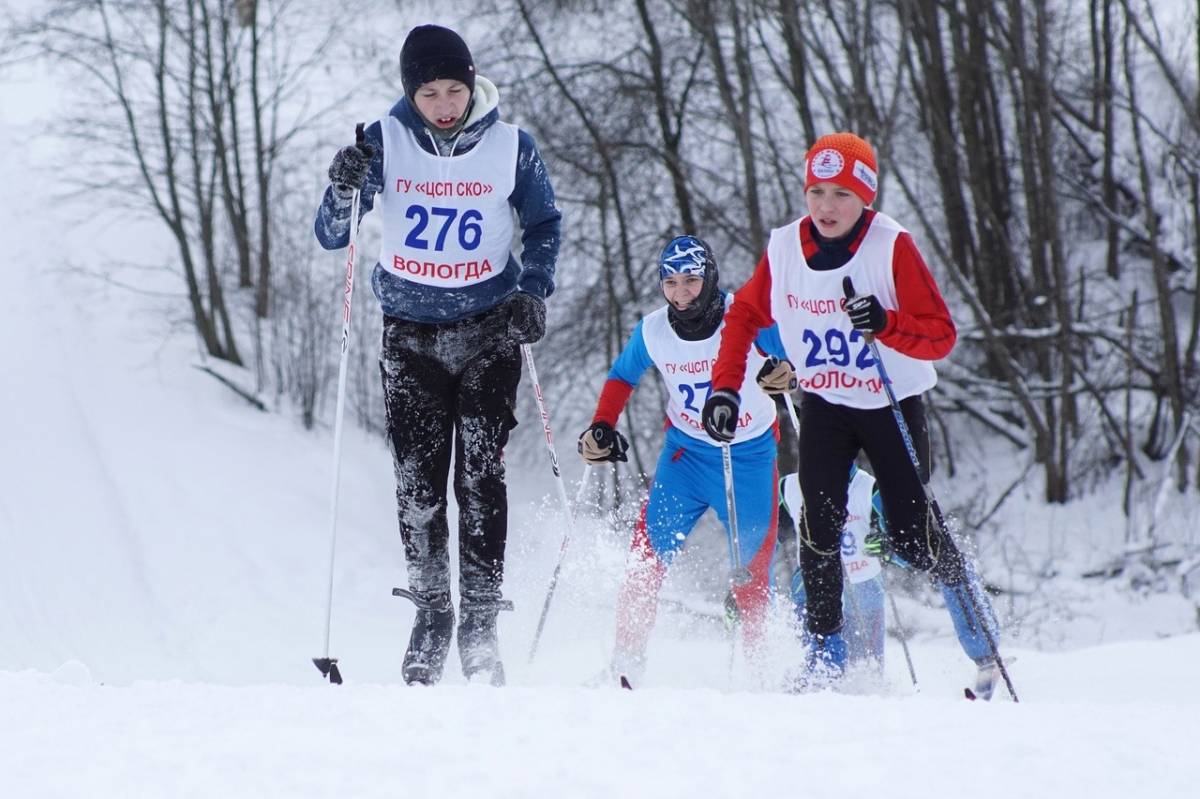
[
  {"x": 162, "y": 588},
  {"x": 1109, "y": 722},
  {"x": 162, "y": 572}
]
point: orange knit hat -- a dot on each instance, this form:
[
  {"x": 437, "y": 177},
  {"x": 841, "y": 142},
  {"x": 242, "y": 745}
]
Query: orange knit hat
[{"x": 844, "y": 159}]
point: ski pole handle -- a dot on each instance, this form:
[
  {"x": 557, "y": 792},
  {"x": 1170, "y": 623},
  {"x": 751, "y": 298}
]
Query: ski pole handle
[{"x": 848, "y": 290}]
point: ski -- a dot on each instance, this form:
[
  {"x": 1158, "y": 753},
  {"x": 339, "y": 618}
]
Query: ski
[{"x": 625, "y": 683}]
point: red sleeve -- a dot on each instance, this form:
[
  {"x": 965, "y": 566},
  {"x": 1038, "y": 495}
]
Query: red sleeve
[
  {"x": 612, "y": 401},
  {"x": 921, "y": 327},
  {"x": 750, "y": 312}
]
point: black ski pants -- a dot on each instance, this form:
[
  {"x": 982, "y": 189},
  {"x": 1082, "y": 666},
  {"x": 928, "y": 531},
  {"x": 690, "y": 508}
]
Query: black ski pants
[
  {"x": 831, "y": 436},
  {"x": 447, "y": 386}
]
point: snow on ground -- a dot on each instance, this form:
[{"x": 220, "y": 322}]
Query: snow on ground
[
  {"x": 1110, "y": 722},
  {"x": 162, "y": 582},
  {"x": 162, "y": 591}
]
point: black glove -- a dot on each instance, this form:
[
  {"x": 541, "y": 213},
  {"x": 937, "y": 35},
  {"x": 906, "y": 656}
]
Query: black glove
[
  {"x": 866, "y": 314},
  {"x": 776, "y": 376},
  {"x": 526, "y": 318},
  {"x": 720, "y": 415},
  {"x": 600, "y": 443},
  {"x": 349, "y": 169}
]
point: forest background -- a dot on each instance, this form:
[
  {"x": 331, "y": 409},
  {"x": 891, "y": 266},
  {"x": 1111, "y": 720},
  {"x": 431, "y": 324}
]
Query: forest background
[{"x": 1042, "y": 153}]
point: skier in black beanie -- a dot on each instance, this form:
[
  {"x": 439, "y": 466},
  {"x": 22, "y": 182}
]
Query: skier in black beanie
[
  {"x": 431, "y": 52},
  {"x": 457, "y": 305}
]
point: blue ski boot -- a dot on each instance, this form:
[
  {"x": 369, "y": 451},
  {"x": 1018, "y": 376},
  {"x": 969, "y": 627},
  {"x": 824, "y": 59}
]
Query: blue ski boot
[{"x": 824, "y": 662}]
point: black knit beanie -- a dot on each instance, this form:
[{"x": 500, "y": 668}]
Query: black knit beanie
[{"x": 432, "y": 52}]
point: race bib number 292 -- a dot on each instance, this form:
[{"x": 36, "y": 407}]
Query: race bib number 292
[{"x": 836, "y": 348}]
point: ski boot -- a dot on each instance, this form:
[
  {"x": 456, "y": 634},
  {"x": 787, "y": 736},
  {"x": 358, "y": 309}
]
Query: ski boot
[
  {"x": 429, "y": 643},
  {"x": 986, "y": 678},
  {"x": 478, "y": 647},
  {"x": 824, "y": 662}
]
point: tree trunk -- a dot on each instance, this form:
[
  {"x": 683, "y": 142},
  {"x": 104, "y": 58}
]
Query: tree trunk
[{"x": 262, "y": 295}]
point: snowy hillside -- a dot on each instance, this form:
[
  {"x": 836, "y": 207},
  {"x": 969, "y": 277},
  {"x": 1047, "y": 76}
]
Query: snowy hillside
[
  {"x": 162, "y": 571},
  {"x": 162, "y": 587}
]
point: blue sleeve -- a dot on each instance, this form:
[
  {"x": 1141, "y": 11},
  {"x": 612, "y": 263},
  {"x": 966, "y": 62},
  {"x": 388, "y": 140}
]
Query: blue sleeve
[
  {"x": 541, "y": 222},
  {"x": 332, "y": 225},
  {"x": 633, "y": 360},
  {"x": 769, "y": 342}
]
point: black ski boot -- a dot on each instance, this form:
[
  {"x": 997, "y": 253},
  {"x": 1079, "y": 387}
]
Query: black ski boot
[
  {"x": 478, "y": 647},
  {"x": 429, "y": 643}
]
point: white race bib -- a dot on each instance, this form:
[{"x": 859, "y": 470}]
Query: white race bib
[
  {"x": 686, "y": 368},
  {"x": 833, "y": 359},
  {"x": 446, "y": 220},
  {"x": 859, "y": 566}
]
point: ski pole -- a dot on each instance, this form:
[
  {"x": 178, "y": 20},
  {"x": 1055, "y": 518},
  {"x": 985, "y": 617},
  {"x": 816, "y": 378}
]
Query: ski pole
[
  {"x": 562, "y": 555},
  {"x": 912, "y": 673},
  {"x": 930, "y": 500},
  {"x": 741, "y": 575},
  {"x": 568, "y": 515},
  {"x": 327, "y": 665}
]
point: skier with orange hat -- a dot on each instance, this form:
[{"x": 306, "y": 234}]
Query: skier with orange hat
[{"x": 799, "y": 285}]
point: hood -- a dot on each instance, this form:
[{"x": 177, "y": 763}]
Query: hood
[{"x": 483, "y": 113}]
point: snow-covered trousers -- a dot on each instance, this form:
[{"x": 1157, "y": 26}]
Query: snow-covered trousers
[
  {"x": 688, "y": 480},
  {"x": 451, "y": 385},
  {"x": 831, "y": 436}
]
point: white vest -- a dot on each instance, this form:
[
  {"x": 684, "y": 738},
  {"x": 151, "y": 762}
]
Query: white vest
[
  {"x": 686, "y": 368},
  {"x": 833, "y": 359},
  {"x": 446, "y": 220},
  {"x": 859, "y": 566}
]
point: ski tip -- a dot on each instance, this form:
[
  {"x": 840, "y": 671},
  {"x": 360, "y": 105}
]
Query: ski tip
[
  {"x": 625, "y": 683},
  {"x": 969, "y": 694}
]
